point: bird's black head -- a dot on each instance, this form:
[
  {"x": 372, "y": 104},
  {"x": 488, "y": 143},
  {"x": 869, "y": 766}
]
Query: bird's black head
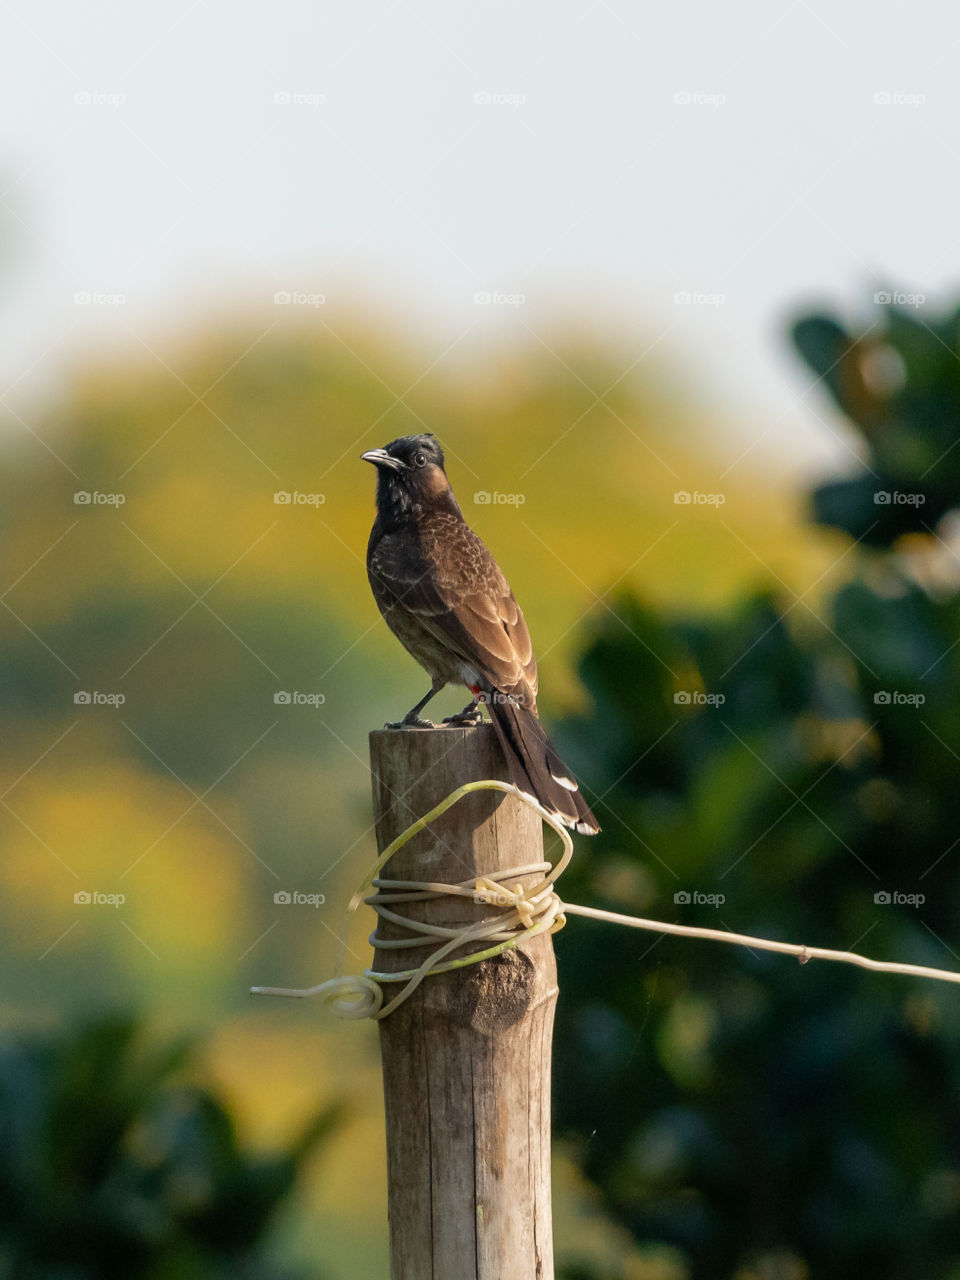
[{"x": 410, "y": 476}]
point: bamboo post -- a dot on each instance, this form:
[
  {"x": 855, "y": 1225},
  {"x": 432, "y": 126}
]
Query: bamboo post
[{"x": 466, "y": 1059}]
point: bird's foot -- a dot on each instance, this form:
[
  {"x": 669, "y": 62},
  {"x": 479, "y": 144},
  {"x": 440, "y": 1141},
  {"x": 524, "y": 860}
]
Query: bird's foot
[
  {"x": 468, "y": 716},
  {"x": 410, "y": 722}
]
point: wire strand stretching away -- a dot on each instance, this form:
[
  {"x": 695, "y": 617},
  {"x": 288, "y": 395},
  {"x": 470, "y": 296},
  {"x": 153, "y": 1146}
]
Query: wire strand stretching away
[{"x": 520, "y": 913}]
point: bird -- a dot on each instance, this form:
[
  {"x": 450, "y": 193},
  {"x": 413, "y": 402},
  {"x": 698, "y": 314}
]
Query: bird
[{"x": 446, "y": 600}]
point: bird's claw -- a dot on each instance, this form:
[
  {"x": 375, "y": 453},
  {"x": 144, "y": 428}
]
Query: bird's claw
[
  {"x": 464, "y": 718},
  {"x": 410, "y": 722}
]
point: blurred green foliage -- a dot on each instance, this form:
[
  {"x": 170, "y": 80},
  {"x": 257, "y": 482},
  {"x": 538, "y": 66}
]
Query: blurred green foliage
[
  {"x": 115, "y": 1166},
  {"x": 898, "y": 381},
  {"x": 772, "y": 1121}
]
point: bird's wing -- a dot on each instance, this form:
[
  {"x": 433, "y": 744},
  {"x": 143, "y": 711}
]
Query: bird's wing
[
  {"x": 499, "y": 641},
  {"x": 460, "y": 595}
]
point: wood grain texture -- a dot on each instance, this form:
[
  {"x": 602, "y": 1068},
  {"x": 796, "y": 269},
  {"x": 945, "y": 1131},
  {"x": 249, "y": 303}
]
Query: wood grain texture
[{"x": 466, "y": 1060}]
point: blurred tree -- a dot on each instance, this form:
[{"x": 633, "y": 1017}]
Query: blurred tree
[
  {"x": 898, "y": 382},
  {"x": 795, "y": 777},
  {"x": 112, "y": 1165},
  {"x": 198, "y": 598}
]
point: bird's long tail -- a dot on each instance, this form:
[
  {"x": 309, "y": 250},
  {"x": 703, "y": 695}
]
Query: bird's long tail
[{"x": 536, "y": 768}]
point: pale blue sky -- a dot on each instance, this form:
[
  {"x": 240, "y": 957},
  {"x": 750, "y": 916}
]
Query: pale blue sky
[{"x": 595, "y": 158}]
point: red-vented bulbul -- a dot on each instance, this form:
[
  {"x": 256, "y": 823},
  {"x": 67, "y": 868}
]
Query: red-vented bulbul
[{"x": 444, "y": 597}]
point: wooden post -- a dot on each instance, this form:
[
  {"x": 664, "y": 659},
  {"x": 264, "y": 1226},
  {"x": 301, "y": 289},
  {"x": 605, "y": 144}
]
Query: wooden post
[{"x": 466, "y": 1059}]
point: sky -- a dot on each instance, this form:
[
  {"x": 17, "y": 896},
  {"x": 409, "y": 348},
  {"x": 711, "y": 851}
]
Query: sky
[{"x": 677, "y": 180}]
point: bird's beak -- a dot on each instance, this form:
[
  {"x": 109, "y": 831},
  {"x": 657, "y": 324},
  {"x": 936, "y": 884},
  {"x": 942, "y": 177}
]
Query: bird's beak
[{"x": 380, "y": 458}]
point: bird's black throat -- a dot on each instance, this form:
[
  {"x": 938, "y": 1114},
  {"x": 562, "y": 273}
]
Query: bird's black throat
[
  {"x": 400, "y": 500},
  {"x": 395, "y": 503}
]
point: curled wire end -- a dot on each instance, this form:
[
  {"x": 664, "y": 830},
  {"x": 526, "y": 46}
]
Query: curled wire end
[{"x": 352, "y": 996}]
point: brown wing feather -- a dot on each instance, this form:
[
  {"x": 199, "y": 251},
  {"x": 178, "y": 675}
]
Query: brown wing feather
[{"x": 464, "y": 601}]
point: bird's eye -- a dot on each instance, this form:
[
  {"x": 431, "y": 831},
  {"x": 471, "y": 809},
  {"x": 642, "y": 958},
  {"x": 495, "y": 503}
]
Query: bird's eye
[{"x": 419, "y": 460}]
